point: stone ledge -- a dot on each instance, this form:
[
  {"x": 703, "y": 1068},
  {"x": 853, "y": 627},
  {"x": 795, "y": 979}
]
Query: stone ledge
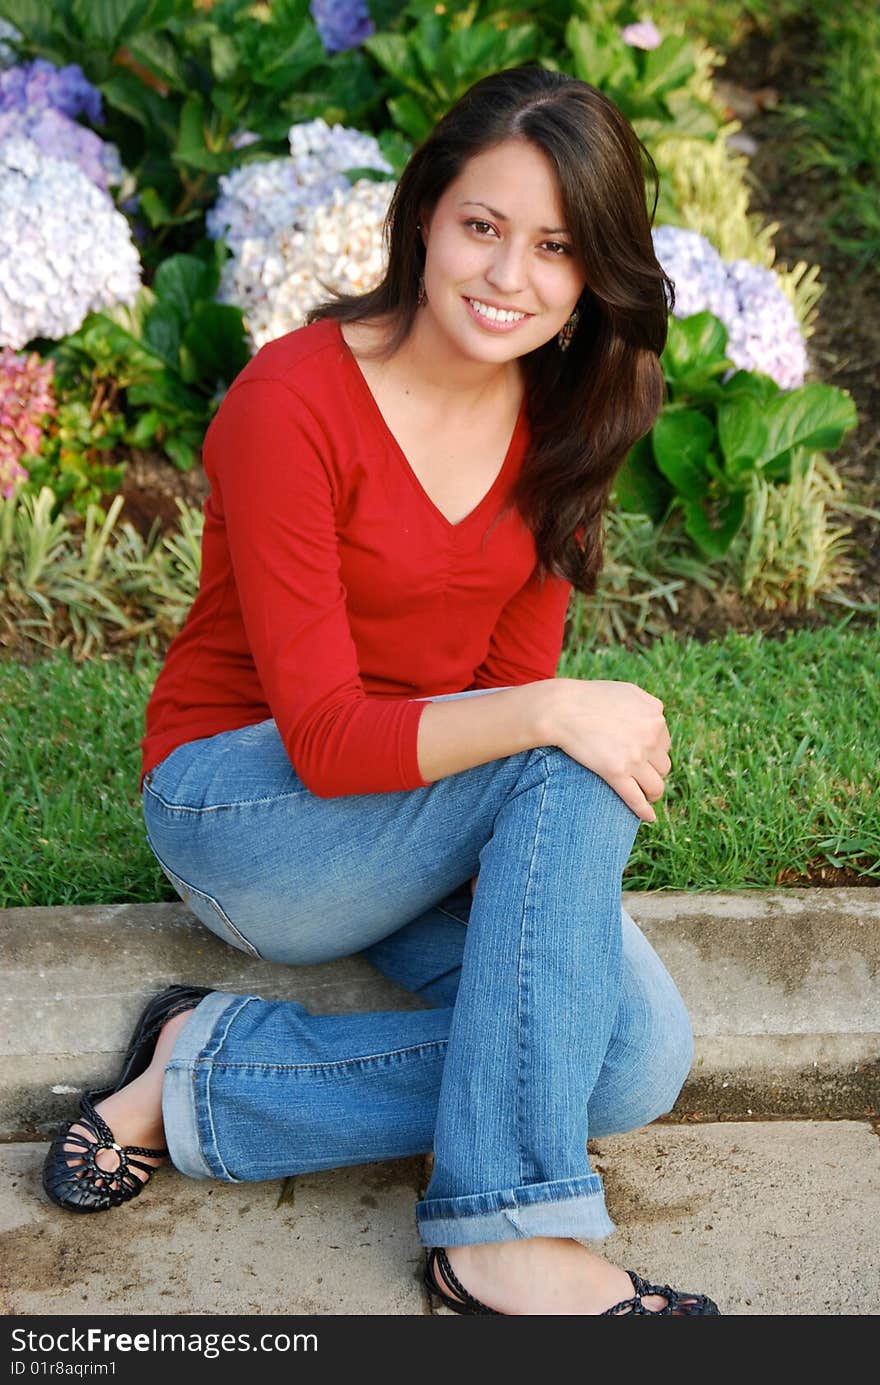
[{"x": 781, "y": 987}]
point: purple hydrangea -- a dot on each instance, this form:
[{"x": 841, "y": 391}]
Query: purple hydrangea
[
  {"x": 763, "y": 333},
  {"x": 39, "y": 85},
  {"x": 341, "y": 24},
  {"x": 62, "y": 138}
]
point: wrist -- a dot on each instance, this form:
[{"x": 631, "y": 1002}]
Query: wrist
[{"x": 545, "y": 701}]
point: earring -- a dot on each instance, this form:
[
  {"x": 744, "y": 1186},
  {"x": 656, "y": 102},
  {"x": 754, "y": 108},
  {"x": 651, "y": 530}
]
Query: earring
[
  {"x": 422, "y": 297},
  {"x": 565, "y": 333}
]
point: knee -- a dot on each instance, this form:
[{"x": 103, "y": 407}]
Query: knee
[
  {"x": 590, "y": 791},
  {"x": 647, "y": 1065}
]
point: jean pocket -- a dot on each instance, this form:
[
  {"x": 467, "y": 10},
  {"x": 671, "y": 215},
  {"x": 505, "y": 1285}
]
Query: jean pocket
[{"x": 208, "y": 911}]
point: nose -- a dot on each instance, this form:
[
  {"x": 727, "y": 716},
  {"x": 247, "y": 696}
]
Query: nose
[{"x": 507, "y": 270}]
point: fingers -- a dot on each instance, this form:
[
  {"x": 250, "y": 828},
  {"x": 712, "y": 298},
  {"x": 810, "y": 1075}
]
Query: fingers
[
  {"x": 631, "y": 792},
  {"x": 651, "y": 783},
  {"x": 645, "y": 786}
]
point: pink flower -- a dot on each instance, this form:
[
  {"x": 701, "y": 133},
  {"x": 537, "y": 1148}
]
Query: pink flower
[
  {"x": 645, "y": 34},
  {"x": 26, "y": 399}
]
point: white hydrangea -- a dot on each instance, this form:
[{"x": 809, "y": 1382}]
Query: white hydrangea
[
  {"x": 65, "y": 250},
  {"x": 271, "y": 195},
  {"x": 338, "y": 245}
]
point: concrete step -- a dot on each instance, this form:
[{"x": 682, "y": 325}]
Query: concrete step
[
  {"x": 767, "y": 1218},
  {"x": 781, "y": 987}
]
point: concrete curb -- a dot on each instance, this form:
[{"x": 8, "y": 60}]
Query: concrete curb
[{"x": 781, "y": 987}]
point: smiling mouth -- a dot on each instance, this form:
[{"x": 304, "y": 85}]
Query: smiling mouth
[{"x": 502, "y": 316}]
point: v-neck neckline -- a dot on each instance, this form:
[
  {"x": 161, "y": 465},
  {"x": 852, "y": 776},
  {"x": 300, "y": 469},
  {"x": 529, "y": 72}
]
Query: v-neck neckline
[{"x": 500, "y": 479}]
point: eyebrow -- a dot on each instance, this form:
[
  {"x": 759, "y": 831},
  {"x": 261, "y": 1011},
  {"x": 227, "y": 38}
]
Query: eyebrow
[{"x": 499, "y": 216}]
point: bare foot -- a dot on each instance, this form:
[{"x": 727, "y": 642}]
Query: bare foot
[
  {"x": 546, "y": 1276},
  {"x": 134, "y": 1113}
]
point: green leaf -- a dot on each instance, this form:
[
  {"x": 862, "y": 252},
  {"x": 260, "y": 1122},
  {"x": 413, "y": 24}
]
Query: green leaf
[
  {"x": 162, "y": 329},
  {"x": 396, "y": 148},
  {"x": 392, "y": 53},
  {"x": 145, "y": 428},
  {"x": 180, "y": 282},
  {"x": 180, "y": 452},
  {"x": 160, "y": 56},
  {"x": 814, "y": 417},
  {"x": 191, "y": 149},
  {"x": 714, "y": 526},
  {"x": 107, "y": 22},
  {"x": 592, "y": 58},
  {"x": 157, "y": 212},
  {"x": 669, "y": 65},
  {"x": 224, "y": 57},
  {"x": 695, "y": 343},
  {"x": 639, "y": 487},
  {"x": 746, "y": 384},
  {"x": 372, "y": 175},
  {"x": 742, "y": 435},
  {"x": 125, "y": 92},
  {"x": 682, "y": 439},
  {"x": 32, "y": 17},
  {"x": 216, "y": 338},
  {"x": 409, "y": 115}
]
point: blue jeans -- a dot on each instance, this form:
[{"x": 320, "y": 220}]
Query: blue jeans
[{"x": 553, "y": 1019}]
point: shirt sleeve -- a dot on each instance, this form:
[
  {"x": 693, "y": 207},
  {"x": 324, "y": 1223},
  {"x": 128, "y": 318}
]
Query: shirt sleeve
[
  {"x": 265, "y": 453},
  {"x": 526, "y": 642}
]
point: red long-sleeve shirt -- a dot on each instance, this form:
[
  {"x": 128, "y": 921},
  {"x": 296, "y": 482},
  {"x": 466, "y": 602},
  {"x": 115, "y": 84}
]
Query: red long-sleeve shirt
[{"x": 333, "y": 591}]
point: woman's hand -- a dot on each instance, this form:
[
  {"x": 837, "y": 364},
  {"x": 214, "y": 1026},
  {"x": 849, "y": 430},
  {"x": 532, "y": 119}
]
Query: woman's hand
[{"x": 617, "y": 730}]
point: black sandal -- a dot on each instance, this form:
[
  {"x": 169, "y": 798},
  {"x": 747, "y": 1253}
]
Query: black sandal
[
  {"x": 678, "y": 1304},
  {"x": 71, "y": 1177}
]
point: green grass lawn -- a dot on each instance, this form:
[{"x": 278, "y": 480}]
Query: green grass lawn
[{"x": 775, "y": 755}]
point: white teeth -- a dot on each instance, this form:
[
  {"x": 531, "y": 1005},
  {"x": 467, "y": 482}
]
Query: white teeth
[{"x": 494, "y": 314}]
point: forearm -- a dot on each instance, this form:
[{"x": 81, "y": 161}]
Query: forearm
[{"x": 463, "y": 732}]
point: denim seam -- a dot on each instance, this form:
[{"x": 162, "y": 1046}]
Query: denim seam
[
  {"x": 178, "y": 881},
  {"x": 221, "y": 807},
  {"x": 524, "y": 975},
  {"x": 312, "y": 1067},
  {"x": 454, "y": 917}
]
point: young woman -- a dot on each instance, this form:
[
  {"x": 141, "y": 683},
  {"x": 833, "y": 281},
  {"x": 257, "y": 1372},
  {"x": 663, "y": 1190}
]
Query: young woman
[{"x": 357, "y": 742}]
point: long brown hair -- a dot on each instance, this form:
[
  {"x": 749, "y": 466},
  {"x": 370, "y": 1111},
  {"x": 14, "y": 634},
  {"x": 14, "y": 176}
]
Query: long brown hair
[{"x": 586, "y": 406}]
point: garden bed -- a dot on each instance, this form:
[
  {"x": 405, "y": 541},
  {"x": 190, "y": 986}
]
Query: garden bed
[{"x": 761, "y": 74}]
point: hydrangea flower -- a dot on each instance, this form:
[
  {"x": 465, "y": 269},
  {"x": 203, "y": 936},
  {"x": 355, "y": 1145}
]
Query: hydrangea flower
[
  {"x": 40, "y": 102},
  {"x": 65, "y": 250},
  {"x": 62, "y": 138},
  {"x": 26, "y": 399},
  {"x": 645, "y": 34},
  {"x": 272, "y": 195},
  {"x": 40, "y": 84},
  {"x": 763, "y": 331},
  {"x": 337, "y": 245},
  {"x": 341, "y": 24}
]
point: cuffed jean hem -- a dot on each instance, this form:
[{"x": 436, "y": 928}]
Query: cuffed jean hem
[
  {"x": 573, "y": 1208},
  {"x": 185, "y": 1112}
]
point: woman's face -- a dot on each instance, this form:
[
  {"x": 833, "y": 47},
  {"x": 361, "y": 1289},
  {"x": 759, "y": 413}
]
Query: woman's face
[{"x": 497, "y": 241}]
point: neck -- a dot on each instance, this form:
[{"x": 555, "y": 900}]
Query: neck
[{"x": 438, "y": 371}]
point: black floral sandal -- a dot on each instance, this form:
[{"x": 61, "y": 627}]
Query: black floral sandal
[
  {"x": 71, "y": 1177},
  {"x": 678, "y": 1304}
]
